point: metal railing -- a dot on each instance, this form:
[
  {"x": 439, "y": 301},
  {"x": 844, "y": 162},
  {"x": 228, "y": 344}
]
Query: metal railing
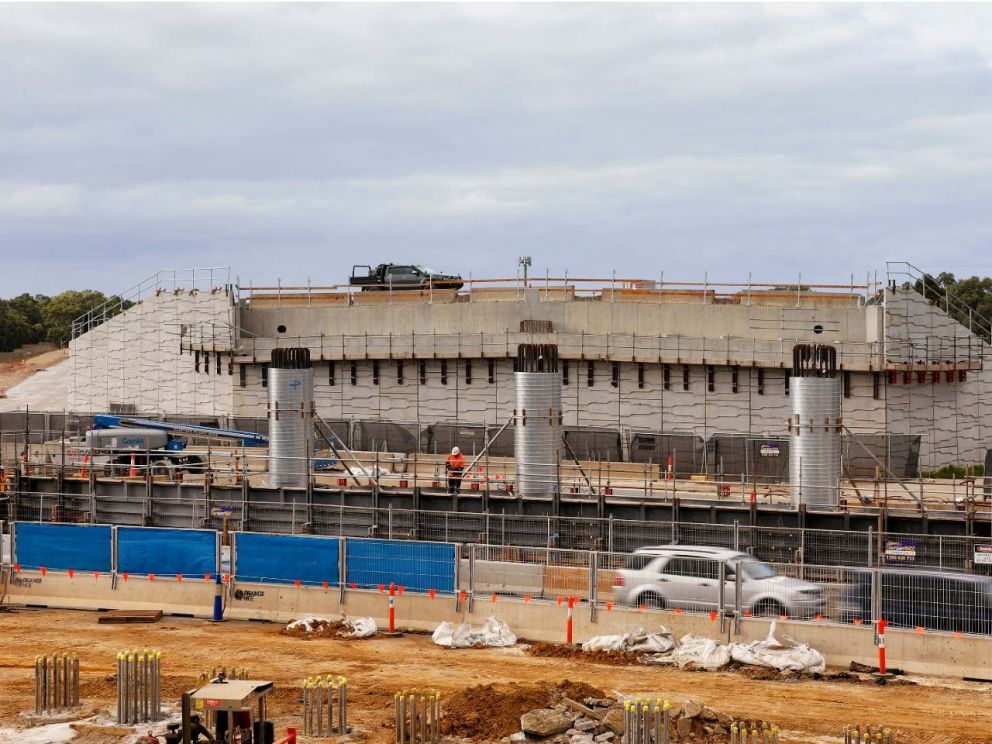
[
  {"x": 565, "y": 287},
  {"x": 166, "y": 280}
]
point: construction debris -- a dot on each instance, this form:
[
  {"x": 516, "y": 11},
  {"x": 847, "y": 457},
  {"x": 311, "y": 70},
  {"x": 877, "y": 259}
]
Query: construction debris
[
  {"x": 610, "y": 721},
  {"x": 492, "y": 712},
  {"x": 494, "y": 634},
  {"x": 707, "y": 654},
  {"x": 787, "y": 655},
  {"x": 309, "y": 627},
  {"x": 634, "y": 642}
]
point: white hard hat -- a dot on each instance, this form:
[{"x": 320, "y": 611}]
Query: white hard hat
[{"x": 455, "y": 451}]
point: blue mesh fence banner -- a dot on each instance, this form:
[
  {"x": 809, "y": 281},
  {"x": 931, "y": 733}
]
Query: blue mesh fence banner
[
  {"x": 146, "y": 550},
  {"x": 62, "y": 546},
  {"x": 416, "y": 566},
  {"x": 286, "y": 559}
]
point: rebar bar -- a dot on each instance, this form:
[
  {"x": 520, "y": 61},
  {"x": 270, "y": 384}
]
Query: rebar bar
[
  {"x": 325, "y": 706},
  {"x": 139, "y": 688},
  {"x": 417, "y": 716},
  {"x": 56, "y": 682}
]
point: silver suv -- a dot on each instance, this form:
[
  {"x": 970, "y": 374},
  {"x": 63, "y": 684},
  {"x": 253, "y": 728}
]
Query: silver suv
[{"x": 687, "y": 577}]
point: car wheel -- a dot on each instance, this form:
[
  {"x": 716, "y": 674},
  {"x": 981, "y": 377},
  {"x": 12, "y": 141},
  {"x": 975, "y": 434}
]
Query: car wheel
[
  {"x": 652, "y": 600},
  {"x": 768, "y": 608}
]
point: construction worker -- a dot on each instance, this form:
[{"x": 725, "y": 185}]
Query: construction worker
[
  {"x": 197, "y": 729},
  {"x": 455, "y": 467}
]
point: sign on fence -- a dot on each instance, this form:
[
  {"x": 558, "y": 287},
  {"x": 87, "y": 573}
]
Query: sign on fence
[
  {"x": 983, "y": 555},
  {"x": 900, "y": 551}
]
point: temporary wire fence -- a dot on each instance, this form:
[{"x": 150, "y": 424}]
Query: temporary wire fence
[
  {"x": 293, "y": 515},
  {"x": 727, "y": 585}
]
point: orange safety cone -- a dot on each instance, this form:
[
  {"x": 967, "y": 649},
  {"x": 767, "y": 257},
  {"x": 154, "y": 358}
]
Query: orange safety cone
[{"x": 133, "y": 472}]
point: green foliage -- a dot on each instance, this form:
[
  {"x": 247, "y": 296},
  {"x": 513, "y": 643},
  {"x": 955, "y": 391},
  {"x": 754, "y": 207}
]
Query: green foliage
[
  {"x": 955, "y": 471},
  {"x": 970, "y": 298},
  {"x": 30, "y": 319}
]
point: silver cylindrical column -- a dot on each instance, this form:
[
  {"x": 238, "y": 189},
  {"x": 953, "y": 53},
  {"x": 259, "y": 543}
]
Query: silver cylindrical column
[
  {"x": 537, "y": 423},
  {"x": 290, "y": 416},
  {"x": 815, "y": 428}
]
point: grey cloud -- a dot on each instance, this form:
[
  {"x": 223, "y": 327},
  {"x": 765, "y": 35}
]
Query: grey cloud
[{"x": 642, "y": 138}]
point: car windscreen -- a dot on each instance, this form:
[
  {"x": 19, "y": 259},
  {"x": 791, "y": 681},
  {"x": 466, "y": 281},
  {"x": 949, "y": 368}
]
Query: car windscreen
[
  {"x": 757, "y": 570},
  {"x": 427, "y": 270}
]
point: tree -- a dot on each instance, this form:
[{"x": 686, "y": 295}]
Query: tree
[
  {"x": 14, "y": 327},
  {"x": 59, "y": 311},
  {"x": 968, "y": 301},
  {"x": 29, "y": 306}
]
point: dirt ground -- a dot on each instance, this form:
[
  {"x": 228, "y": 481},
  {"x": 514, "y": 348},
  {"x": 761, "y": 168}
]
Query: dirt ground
[
  {"x": 15, "y": 372},
  {"x": 807, "y": 710}
]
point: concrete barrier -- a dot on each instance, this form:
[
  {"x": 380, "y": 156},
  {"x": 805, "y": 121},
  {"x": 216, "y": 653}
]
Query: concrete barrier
[
  {"x": 86, "y": 591},
  {"x": 537, "y": 620}
]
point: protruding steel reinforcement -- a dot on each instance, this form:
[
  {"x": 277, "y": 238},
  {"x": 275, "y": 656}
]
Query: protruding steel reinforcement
[
  {"x": 814, "y": 360},
  {"x": 56, "y": 682},
  {"x": 325, "y": 706},
  {"x": 139, "y": 690},
  {"x": 865, "y": 734},
  {"x": 217, "y": 674},
  {"x": 647, "y": 721},
  {"x": 537, "y": 358},
  {"x": 754, "y": 732},
  {"x": 417, "y": 716}
]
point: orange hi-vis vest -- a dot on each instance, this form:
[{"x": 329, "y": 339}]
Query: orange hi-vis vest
[{"x": 456, "y": 462}]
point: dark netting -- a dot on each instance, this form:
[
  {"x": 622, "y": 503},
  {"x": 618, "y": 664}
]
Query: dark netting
[
  {"x": 987, "y": 481},
  {"x": 383, "y": 436},
  {"x": 686, "y": 450},
  {"x": 340, "y": 428},
  {"x": 902, "y": 456},
  {"x": 594, "y": 444},
  {"x": 251, "y": 423},
  {"x": 734, "y": 455},
  {"x": 469, "y": 438}
]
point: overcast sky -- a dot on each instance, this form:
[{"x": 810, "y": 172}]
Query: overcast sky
[{"x": 295, "y": 140}]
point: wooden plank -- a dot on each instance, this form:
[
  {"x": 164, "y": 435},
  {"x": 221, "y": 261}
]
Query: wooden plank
[{"x": 131, "y": 616}]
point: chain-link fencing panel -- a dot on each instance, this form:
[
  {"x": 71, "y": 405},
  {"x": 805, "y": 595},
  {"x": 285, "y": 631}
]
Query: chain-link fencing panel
[
  {"x": 935, "y": 600},
  {"x": 762, "y": 459}
]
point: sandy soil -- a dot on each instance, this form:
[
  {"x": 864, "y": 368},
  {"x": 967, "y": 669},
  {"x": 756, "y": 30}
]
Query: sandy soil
[
  {"x": 807, "y": 711},
  {"x": 46, "y": 390}
]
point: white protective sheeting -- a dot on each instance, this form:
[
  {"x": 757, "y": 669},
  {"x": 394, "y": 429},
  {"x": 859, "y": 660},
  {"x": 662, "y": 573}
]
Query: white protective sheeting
[
  {"x": 361, "y": 627},
  {"x": 636, "y": 641},
  {"x": 494, "y": 634},
  {"x": 702, "y": 652},
  {"x": 782, "y": 655}
]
